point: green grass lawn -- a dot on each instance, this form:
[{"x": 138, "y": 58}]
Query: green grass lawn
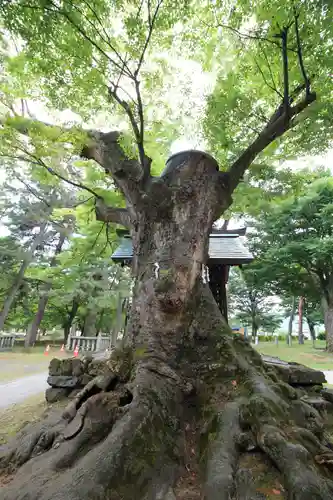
[
  {"x": 20, "y": 362},
  {"x": 305, "y": 354},
  {"x": 16, "y": 416}
]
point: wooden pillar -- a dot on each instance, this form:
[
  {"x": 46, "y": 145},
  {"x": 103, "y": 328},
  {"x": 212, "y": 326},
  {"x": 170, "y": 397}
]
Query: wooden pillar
[
  {"x": 218, "y": 277},
  {"x": 224, "y": 300}
]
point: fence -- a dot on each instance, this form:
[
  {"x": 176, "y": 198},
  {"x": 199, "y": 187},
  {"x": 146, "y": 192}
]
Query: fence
[
  {"x": 7, "y": 342},
  {"x": 93, "y": 344}
]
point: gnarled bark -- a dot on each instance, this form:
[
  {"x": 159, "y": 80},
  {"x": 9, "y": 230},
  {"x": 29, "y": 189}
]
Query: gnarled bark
[{"x": 183, "y": 410}]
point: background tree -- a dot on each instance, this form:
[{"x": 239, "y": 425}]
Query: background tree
[
  {"x": 297, "y": 237},
  {"x": 75, "y": 244},
  {"x": 32, "y": 332},
  {"x": 313, "y": 315},
  {"x": 250, "y": 300}
]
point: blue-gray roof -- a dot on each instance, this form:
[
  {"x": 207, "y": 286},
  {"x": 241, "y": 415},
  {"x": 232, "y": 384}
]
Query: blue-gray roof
[
  {"x": 124, "y": 251},
  {"x": 226, "y": 248}
]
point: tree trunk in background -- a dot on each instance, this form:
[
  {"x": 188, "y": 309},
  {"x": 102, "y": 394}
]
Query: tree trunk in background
[
  {"x": 312, "y": 330},
  {"x": 187, "y": 410},
  {"x": 67, "y": 324},
  {"x": 99, "y": 322},
  {"x": 291, "y": 322},
  {"x": 328, "y": 320},
  {"x": 300, "y": 321},
  {"x": 31, "y": 336},
  {"x": 67, "y": 330},
  {"x": 117, "y": 322},
  {"x": 89, "y": 325},
  {"x": 39, "y": 238},
  {"x": 254, "y": 326}
]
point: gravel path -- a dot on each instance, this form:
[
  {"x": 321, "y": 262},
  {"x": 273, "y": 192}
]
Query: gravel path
[{"x": 18, "y": 390}]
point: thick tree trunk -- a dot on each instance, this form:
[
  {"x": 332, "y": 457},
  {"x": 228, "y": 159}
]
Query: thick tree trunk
[
  {"x": 39, "y": 238},
  {"x": 291, "y": 322},
  {"x": 190, "y": 411},
  {"x": 31, "y": 336},
  {"x": 312, "y": 330}
]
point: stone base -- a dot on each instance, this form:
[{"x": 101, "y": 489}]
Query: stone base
[{"x": 53, "y": 394}]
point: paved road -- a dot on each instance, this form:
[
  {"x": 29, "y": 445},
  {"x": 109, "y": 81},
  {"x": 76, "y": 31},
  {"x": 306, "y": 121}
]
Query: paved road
[
  {"x": 329, "y": 376},
  {"x": 18, "y": 390}
]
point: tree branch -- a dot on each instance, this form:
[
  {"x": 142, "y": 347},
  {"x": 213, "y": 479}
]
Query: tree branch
[
  {"x": 252, "y": 37},
  {"x": 151, "y": 22},
  {"x": 106, "y": 213},
  {"x": 127, "y": 172},
  {"x": 31, "y": 190},
  {"x": 138, "y": 128},
  {"x": 270, "y": 70},
  {"x": 272, "y": 87},
  {"x": 64, "y": 14},
  {"x": 281, "y": 120},
  {"x": 38, "y": 161},
  {"x": 124, "y": 62},
  {"x": 137, "y": 122},
  {"x": 284, "y": 37},
  {"x": 300, "y": 55},
  {"x": 104, "y": 148},
  {"x": 276, "y": 127}
]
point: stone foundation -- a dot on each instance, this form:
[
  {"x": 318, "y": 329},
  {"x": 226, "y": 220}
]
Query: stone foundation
[{"x": 68, "y": 376}]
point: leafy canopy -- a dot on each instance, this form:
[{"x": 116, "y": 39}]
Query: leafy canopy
[{"x": 251, "y": 86}]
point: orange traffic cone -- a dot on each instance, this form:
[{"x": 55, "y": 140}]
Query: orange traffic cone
[
  {"x": 46, "y": 352},
  {"x": 62, "y": 348},
  {"x": 76, "y": 351}
]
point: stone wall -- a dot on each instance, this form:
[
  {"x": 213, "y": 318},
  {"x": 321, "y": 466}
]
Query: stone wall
[{"x": 68, "y": 376}]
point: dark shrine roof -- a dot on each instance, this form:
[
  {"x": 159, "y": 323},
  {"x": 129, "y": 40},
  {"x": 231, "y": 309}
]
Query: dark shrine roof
[{"x": 224, "y": 248}]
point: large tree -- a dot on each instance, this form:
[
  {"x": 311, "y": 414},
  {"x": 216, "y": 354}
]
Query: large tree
[{"x": 190, "y": 400}]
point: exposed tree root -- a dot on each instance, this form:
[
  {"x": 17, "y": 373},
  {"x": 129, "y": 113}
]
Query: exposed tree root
[
  {"x": 217, "y": 424},
  {"x": 141, "y": 448}
]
